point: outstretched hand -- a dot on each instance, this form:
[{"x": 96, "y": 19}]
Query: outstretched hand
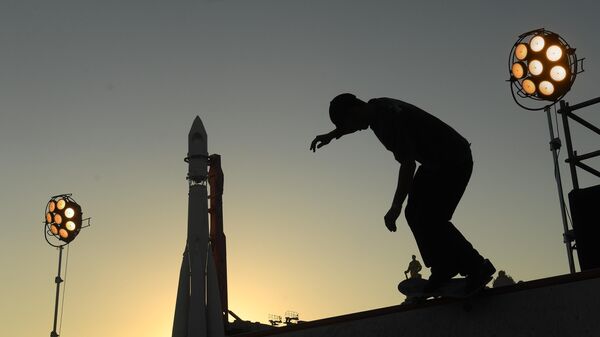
[
  {"x": 320, "y": 141},
  {"x": 391, "y": 216}
]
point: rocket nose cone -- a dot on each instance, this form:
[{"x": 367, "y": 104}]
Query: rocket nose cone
[
  {"x": 197, "y": 137},
  {"x": 197, "y": 130},
  {"x": 197, "y": 126}
]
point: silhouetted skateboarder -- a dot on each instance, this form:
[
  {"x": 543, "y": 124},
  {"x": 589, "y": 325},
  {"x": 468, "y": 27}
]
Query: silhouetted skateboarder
[{"x": 414, "y": 135}]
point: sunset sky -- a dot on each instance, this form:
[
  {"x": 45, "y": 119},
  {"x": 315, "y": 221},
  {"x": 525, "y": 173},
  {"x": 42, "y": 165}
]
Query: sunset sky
[{"x": 97, "y": 98}]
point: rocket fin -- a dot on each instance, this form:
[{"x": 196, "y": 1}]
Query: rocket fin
[
  {"x": 213, "y": 305},
  {"x": 183, "y": 299},
  {"x": 197, "y": 311}
]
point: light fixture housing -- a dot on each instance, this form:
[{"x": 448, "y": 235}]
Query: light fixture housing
[
  {"x": 542, "y": 67},
  {"x": 63, "y": 218}
]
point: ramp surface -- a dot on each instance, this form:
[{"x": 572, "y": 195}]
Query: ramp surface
[{"x": 566, "y": 305}]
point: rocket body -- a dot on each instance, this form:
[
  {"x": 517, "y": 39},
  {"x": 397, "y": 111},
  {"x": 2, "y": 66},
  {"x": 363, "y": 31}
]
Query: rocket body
[
  {"x": 190, "y": 309},
  {"x": 197, "y": 238}
]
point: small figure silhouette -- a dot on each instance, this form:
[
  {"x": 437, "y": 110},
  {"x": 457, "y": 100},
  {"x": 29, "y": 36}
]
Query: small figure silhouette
[
  {"x": 414, "y": 267},
  {"x": 414, "y": 135},
  {"x": 503, "y": 280}
]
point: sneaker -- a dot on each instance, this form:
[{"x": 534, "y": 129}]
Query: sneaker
[
  {"x": 480, "y": 277},
  {"x": 438, "y": 277}
]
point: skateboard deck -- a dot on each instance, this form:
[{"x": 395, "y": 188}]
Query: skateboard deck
[{"x": 414, "y": 289}]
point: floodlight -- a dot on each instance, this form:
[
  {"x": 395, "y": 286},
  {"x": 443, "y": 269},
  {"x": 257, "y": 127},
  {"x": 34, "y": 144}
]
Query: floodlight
[
  {"x": 542, "y": 67},
  {"x": 529, "y": 86},
  {"x": 535, "y": 67},
  {"x": 70, "y": 226},
  {"x": 558, "y": 73},
  {"x": 63, "y": 218},
  {"x": 69, "y": 212},
  {"x": 521, "y": 51},
  {"x": 60, "y": 204},
  {"x": 554, "y": 53},
  {"x": 63, "y": 234},
  {"x": 518, "y": 70},
  {"x": 63, "y": 221},
  {"x": 537, "y": 43},
  {"x": 546, "y": 88}
]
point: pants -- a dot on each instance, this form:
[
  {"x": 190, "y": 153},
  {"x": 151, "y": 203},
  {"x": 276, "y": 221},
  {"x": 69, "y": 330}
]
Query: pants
[{"x": 432, "y": 200}]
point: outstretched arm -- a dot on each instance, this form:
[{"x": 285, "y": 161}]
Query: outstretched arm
[
  {"x": 322, "y": 140},
  {"x": 405, "y": 178}
]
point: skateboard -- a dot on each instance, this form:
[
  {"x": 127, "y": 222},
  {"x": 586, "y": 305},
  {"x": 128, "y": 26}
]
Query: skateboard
[{"x": 454, "y": 288}]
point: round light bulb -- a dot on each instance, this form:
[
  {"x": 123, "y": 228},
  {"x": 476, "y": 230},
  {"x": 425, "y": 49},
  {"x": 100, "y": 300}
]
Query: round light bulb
[
  {"x": 529, "y": 87},
  {"x": 63, "y": 233},
  {"x": 54, "y": 229},
  {"x": 537, "y": 43},
  {"x": 69, "y": 212},
  {"x": 61, "y": 204},
  {"x": 554, "y": 53},
  {"x": 517, "y": 70},
  {"x": 70, "y": 225},
  {"x": 521, "y": 51},
  {"x": 536, "y": 67},
  {"x": 57, "y": 218},
  {"x": 48, "y": 218},
  {"x": 546, "y": 88},
  {"x": 51, "y": 206},
  {"x": 558, "y": 73}
]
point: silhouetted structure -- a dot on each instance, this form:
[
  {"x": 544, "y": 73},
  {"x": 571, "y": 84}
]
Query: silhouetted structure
[
  {"x": 583, "y": 201},
  {"x": 503, "y": 280},
  {"x": 291, "y": 317},
  {"x": 216, "y": 180},
  {"x": 543, "y": 67},
  {"x": 275, "y": 320},
  {"x": 63, "y": 221},
  {"x": 239, "y": 326},
  {"x": 414, "y": 267},
  {"x": 559, "y": 306},
  {"x": 434, "y": 191},
  {"x": 198, "y": 309}
]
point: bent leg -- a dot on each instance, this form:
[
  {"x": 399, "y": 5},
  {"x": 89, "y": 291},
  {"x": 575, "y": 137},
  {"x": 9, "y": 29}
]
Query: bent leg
[{"x": 432, "y": 201}]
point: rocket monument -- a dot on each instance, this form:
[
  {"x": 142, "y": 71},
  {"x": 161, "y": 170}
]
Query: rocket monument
[{"x": 198, "y": 310}]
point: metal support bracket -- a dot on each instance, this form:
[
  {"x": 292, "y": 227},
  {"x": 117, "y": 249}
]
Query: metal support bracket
[
  {"x": 569, "y": 237},
  {"x": 555, "y": 144}
]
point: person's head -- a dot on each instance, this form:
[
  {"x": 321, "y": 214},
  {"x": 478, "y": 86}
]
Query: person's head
[
  {"x": 348, "y": 113},
  {"x": 414, "y": 257},
  {"x": 502, "y": 273}
]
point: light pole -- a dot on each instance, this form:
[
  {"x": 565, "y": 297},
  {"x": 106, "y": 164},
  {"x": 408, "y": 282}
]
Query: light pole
[
  {"x": 543, "y": 68},
  {"x": 63, "y": 221}
]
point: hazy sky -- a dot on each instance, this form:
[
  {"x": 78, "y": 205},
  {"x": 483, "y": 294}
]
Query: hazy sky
[{"x": 97, "y": 98}]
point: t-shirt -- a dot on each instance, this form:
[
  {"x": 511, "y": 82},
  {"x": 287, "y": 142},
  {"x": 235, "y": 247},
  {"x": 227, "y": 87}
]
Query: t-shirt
[{"x": 413, "y": 134}]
